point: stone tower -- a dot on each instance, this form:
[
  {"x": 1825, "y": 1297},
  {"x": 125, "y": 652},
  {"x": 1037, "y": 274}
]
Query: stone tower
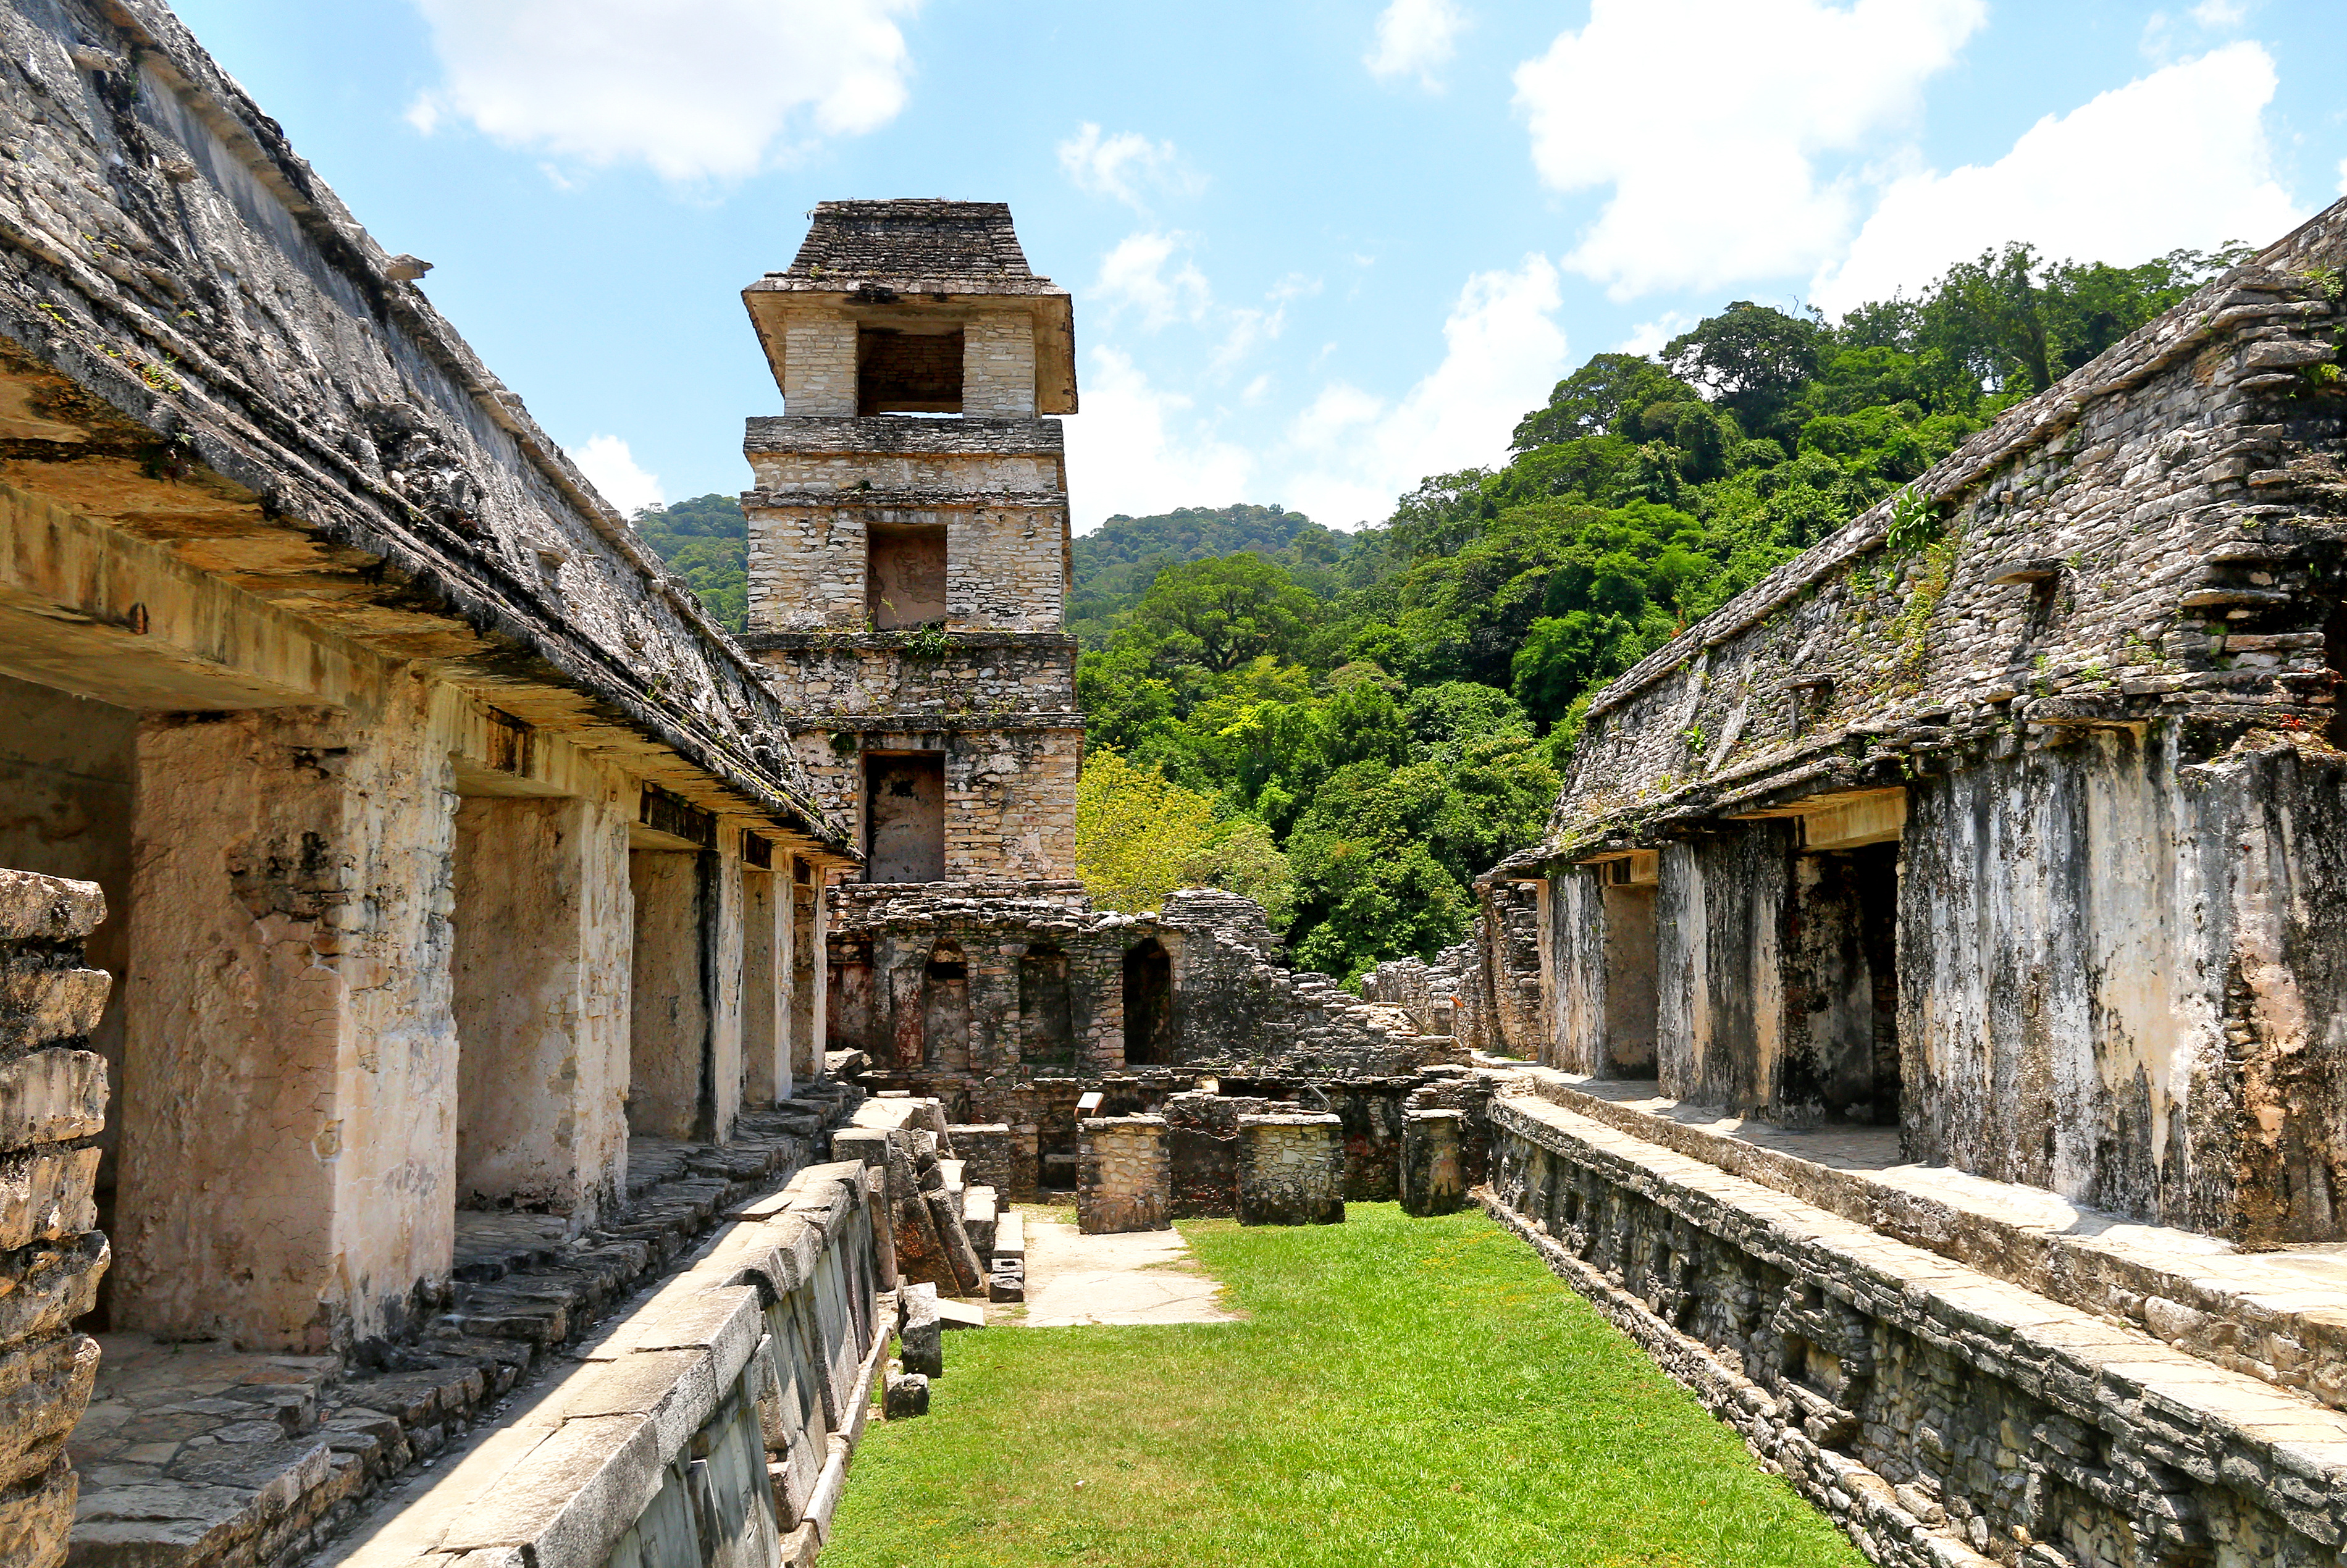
[{"x": 908, "y": 538}]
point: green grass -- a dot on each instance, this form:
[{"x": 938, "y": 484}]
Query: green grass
[{"x": 1403, "y": 1392}]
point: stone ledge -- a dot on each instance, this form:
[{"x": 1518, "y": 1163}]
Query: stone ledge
[
  {"x": 194, "y": 1457},
  {"x": 2196, "y": 1293}
]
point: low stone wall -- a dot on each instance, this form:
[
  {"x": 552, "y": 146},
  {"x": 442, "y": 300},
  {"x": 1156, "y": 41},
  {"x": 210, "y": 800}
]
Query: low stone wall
[
  {"x": 711, "y": 1427},
  {"x": 1124, "y": 1177},
  {"x": 989, "y": 1154},
  {"x": 1291, "y": 1169},
  {"x": 52, "y": 1105},
  {"x": 1942, "y": 1416}
]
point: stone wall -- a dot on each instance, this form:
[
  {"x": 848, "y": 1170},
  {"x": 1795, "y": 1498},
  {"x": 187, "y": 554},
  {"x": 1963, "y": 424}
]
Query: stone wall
[
  {"x": 1941, "y": 1415},
  {"x": 1123, "y": 1176},
  {"x": 52, "y": 1106}
]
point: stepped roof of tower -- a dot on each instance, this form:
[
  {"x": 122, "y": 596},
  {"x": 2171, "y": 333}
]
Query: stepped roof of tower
[{"x": 912, "y": 246}]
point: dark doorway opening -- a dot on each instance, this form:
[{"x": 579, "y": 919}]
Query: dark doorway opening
[
  {"x": 905, "y": 816},
  {"x": 1047, "y": 1027},
  {"x": 1845, "y": 945},
  {"x": 1148, "y": 1003},
  {"x": 907, "y": 373}
]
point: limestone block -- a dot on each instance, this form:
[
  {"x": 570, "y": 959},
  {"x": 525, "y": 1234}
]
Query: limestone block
[
  {"x": 1433, "y": 1174},
  {"x": 980, "y": 1218},
  {"x": 50, "y": 1096},
  {"x": 907, "y": 1395},
  {"x": 34, "y": 1524},
  {"x": 920, "y": 1335},
  {"x": 39, "y": 1005},
  {"x": 1010, "y": 1237},
  {"x": 961, "y": 1257},
  {"x": 46, "y": 1195},
  {"x": 38, "y": 908},
  {"x": 43, "y": 1392},
  {"x": 1008, "y": 1282}
]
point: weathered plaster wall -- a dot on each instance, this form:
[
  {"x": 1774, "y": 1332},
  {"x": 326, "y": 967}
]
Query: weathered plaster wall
[
  {"x": 2121, "y": 978},
  {"x": 1719, "y": 928}
]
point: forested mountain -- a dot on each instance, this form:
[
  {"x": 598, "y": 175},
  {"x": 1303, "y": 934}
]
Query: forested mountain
[
  {"x": 1114, "y": 565},
  {"x": 706, "y": 542},
  {"x": 1395, "y": 717}
]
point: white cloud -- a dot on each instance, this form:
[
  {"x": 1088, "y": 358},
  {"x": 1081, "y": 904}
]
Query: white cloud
[
  {"x": 1415, "y": 38},
  {"x": 1126, "y": 166},
  {"x": 1125, "y": 454},
  {"x": 613, "y": 471},
  {"x": 1354, "y": 453},
  {"x": 2220, "y": 13},
  {"x": 1135, "y": 276},
  {"x": 697, "y": 89},
  {"x": 1719, "y": 181},
  {"x": 1648, "y": 337},
  {"x": 2177, "y": 157}
]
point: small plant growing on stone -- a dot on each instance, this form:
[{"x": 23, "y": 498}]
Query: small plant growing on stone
[{"x": 1912, "y": 524}]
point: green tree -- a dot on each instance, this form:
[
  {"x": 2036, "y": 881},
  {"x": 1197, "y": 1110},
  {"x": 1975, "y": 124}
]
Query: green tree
[{"x": 1222, "y": 613}]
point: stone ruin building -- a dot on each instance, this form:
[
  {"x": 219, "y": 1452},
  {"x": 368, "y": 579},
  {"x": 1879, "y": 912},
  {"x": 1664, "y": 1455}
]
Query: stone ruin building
[{"x": 458, "y": 1008}]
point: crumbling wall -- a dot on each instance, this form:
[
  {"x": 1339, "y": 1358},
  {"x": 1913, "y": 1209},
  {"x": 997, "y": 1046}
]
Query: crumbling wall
[{"x": 52, "y": 1105}]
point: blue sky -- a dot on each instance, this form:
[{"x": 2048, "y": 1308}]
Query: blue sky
[{"x": 1320, "y": 250}]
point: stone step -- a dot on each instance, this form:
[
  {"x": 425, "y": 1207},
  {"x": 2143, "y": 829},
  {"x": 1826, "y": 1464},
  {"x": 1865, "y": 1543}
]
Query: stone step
[{"x": 1009, "y": 1237}]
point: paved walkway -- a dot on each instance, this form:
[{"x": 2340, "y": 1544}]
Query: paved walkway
[{"x": 1148, "y": 1276}]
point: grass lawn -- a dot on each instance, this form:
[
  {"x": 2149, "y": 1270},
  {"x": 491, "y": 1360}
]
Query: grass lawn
[{"x": 1404, "y": 1392}]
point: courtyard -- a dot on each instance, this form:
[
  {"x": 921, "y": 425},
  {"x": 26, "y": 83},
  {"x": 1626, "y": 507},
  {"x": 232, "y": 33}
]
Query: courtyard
[{"x": 1392, "y": 1390}]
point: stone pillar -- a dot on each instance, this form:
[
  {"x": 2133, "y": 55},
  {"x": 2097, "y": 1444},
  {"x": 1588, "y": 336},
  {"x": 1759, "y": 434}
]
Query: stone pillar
[
  {"x": 986, "y": 1152},
  {"x": 1291, "y": 1169},
  {"x": 819, "y": 375},
  {"x": 1433, "y": 1166},
  {"x": 1123, "y": 1180},
  {"x": 290, "y": 1087},
  {"x": 52, "y": 1104},
  {"x": 536, "y": 1042},
  {"x": 808, "y": 1022},
  {"x": 765, "y": 987}
]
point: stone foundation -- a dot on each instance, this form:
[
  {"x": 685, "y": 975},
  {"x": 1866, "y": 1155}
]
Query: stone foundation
[
  {"x": 1125, "y": 1178},
  {"x": 1291, "y": 1169},
  {"x": 1942, "y": 1416}
]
